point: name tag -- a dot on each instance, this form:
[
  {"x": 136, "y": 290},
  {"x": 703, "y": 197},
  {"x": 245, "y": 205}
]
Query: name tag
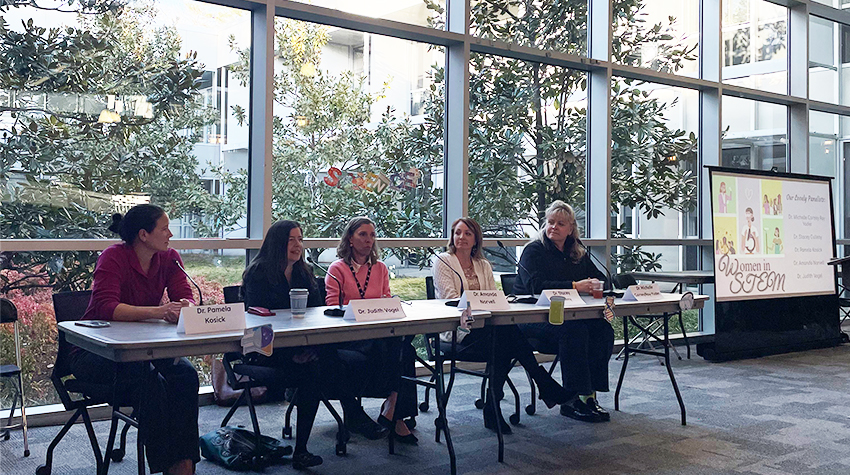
[
  {"x": 642, "y": 293},
  {"x": 571, "y": 296},
  {"x": 211, "y": 318},
  {"x": 368, "y": 310},
  {"x": 484, "y": 300}
]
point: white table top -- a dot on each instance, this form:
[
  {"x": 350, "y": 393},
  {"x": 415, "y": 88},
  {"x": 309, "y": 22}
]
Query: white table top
[{"x": 154, "y": 339}]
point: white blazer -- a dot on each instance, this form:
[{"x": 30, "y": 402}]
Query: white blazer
[{"x": 446, "y": 282}]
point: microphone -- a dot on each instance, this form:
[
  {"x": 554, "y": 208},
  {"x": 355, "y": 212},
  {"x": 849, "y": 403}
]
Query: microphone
[
  {"x": 450, "y": 303},
  {"x": 610, "y": 282},
  {"x": 200, "y": 295},
  {"x": 331, "y": 312},
  {"x": 511, "y": 258}
]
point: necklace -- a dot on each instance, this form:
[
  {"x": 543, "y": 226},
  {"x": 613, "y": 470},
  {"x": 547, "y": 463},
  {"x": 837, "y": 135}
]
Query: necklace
[{"x": 362, "y": 290}]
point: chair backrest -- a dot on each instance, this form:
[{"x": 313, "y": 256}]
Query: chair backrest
[
  {"x": 430, "y": 291},
  {"x": 323, "y": 292},
  {"x": 621, "y": 281},
  {"x": 8, "y": 311},
  {"x": 233, "y": 294},
  {"x": 508, "y": 283},
  {"x": 67, "y": 306}
]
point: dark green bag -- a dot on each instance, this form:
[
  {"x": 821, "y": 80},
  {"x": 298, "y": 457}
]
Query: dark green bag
[{"x": 236, "y": 448}]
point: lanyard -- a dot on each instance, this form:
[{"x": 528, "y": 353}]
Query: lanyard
[{"x": 366, "y": 284}]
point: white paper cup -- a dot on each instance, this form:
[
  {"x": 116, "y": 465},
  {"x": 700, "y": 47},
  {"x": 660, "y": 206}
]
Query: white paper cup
[{"x": 298, "y": 301}]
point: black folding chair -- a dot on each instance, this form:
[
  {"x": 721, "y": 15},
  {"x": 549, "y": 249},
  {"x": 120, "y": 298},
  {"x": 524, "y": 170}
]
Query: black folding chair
[
  {"x": 70, "y": 306},
  {"x": 478, "y": 354},
  {"x": 9, "y": 314},
  {"x": 539, "y": 346},
  {"x": 243, "y": 373}
]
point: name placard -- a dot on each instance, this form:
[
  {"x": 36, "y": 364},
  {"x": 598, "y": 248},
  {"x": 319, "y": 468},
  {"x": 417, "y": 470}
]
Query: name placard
[
  {"x": 571, "y": 297},
  {"x": 211, "y": 318},
  {"x": 642, "y": 292},
  {"x": 369, "y": 310},
  {"x": 484, "y": 300}
]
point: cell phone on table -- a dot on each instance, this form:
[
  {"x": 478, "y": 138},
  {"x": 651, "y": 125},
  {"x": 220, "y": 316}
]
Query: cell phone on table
[
  {"x": 92, "y": 323},
  {"x": 261, "y": 311}
]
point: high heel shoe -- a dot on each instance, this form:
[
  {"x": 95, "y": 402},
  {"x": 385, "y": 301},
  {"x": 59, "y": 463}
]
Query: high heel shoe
[
  {"x": 384, "y": 421},
  {"x": 550, "y": 391},
  {"x": 491, "y": 419}
]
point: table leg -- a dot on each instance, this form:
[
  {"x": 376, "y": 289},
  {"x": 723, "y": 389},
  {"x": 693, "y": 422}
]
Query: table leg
[
  {"x": 494, "y": 404},
  {"x": 440, "y": 396},
  {"x": 669, "y": 368},
  {"x": 625, "y": 363}
]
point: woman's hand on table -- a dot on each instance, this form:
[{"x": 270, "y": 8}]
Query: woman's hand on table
[
  {"x": 585, "y": 286},
  {"x": 170, "y": 312}
]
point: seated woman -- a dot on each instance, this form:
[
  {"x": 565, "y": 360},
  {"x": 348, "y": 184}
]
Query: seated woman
[
  {"x": 363, "y": 276},
  {"x": 558, "y": 260},
  {"x": 277, "y": 268},
  {"x": 129, "y": 280},
  {"x": 465, "y": 258}
]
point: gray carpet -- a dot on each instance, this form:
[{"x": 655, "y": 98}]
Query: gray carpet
[{"x": 785, "y": 414}]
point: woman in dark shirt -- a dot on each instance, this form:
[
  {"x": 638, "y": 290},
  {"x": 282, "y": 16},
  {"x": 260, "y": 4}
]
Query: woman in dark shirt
[
  {"x": 558, "y": 260},
  {"x": 266, "y": 282},
  {"x": 129, "y": 281}
]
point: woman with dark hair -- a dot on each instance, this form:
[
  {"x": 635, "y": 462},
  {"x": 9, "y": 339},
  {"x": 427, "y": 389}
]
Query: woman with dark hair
[
  {"x": 465, "y": 259},
  {"x": 558, "y": 260},
  {"x": 129, "y": 281},
  {"x": 363, "y": 276},
  {"x": 266, "y": 282}
]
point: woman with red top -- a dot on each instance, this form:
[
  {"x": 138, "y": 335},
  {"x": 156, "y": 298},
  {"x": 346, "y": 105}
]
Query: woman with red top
[
  {"x": 129, "y": 281},
  {"x": 364, "y": 276}
]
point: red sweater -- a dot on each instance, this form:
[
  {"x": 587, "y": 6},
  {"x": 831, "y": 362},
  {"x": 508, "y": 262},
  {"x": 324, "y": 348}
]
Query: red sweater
[{"x": 118, "y": 278}]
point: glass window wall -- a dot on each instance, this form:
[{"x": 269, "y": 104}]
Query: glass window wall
[
  {"x": 755, "y": 135},
  {"x": 755, "y": 45}
]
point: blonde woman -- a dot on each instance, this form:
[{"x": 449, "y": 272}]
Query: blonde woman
[
  {"x": 558, "y": 260},
  {"x": 465, "y": 257}
]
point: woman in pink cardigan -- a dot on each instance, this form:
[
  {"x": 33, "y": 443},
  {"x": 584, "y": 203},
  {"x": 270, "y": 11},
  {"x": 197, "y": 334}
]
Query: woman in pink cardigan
[{"x": 364, "y": 276}]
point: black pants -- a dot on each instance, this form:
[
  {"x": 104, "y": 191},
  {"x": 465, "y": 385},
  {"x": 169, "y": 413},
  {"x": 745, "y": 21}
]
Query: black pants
[
  {"x": 584, "y": 346},
  {"x": 511, "y": 344},
  {"x": 305, "y": 377},
  {"x": 169, "y": 402},
  {"x": 374, "y": 368}
]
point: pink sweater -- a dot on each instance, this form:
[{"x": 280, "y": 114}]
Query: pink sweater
[{"x": 379, "y": 282}]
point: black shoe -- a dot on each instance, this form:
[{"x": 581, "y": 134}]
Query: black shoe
[
  {"x": 364, "y": 425},
  {"x": 580, "y": 411},
  {"x": 303, "y": 460},
  {"x": 383, "y": 421},
  {"x": 408, "y": 439},
  {"x": 490, "y": 419},
  {"x": 595, "y": 407},
  {"x": 551, "y": 392}
]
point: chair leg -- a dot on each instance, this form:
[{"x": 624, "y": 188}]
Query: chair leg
[
  {"x": 479, "y": 404},
  {"x": 48, "y": 463},
  {"x": 287, "y": 426},
  {"x": 685, "y": 336},
  {"x": 113, "y": 429},
  {"x": 342, "y": 435},
  {"x": 233, "y": 409},
  {"x": 514, "y": 418},
  {"x": 93, "y": 439},
  {"x": 23, "y": 416},
  {"x": 531, "y": 408},
  {"x": 5, "y": 432}
]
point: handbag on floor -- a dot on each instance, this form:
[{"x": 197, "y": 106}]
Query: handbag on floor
[{"x": 236, "y": 448}]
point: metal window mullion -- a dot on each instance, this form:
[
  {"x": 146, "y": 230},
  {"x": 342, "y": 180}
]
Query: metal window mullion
[
  {"x": 456, "y": 123},
  {"x": 261, "y": 97}
]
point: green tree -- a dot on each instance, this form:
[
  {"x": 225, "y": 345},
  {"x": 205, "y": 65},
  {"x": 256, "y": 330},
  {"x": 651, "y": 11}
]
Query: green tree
[
  {"x": 325, "y": 122},
  {"x": 59, "y": 163}
]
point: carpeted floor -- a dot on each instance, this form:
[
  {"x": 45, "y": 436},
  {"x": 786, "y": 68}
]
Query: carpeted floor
[{"x": 785, "y": 414}]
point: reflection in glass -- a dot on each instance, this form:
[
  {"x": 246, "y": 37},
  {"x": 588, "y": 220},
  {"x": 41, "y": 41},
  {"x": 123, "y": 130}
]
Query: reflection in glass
[
  {"x": 755, "y": 134},
  {"x": 357, "y": 130},
  {"x": 527, "y": 143},
  {"x": 755, "y": 45},
  {"x": 414, "y": 12},
  {"x": 654, "y": 160},
  {"x": 559, "y": 26},
  {"x": 138, "y": 111},
  {"x": 660, "y": 35}
]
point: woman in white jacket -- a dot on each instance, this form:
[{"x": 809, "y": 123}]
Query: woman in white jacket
[{"x": 465, "y": 258}]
